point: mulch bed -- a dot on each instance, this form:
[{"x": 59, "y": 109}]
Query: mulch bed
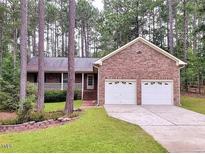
[
  {"x": 32, "y": 125},
  {"x": 7, "y": 115}
]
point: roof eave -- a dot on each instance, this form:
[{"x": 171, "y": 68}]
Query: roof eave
[{"x": 178, "y": 61}]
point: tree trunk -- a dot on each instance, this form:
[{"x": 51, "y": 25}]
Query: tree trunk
[
  {"x": 1, "y": 50},
  {"x": 194, "y": 27},
  {"x": 176, "y": 22},
  {"x": 137, "y": 21},
  {"x": 52, "y": 43},
  {"x": 66, "y": 46},
  {"x": 29, "y": 45},
  {"x": 149, "y": 27},
  {"x": 185, "y": 31},
  {"x": 58, "y": 52},
  {"x": 153, "y": 27},
  {"x": 47, "y": 38},
  {"x": 161, "y": 30},
  {"x": 41, "y": 20},
  {"x": 82, "y": 42},
  {"x": 62, "y": 45},
  {"x": 87, "y": 42},
  {"x": 14, "y": 47},
  {"x": 185, "y": 34},
  {"x": 199, "y": 84},
  {"x": 62, "y": 31},
  {"x": 170, "y": 26},
  {"x": 71, "y": 49},
  {"x": 23, "y": 50},
  {"x": 55, "y": 39},
  {"x": 34, "y": 43}
]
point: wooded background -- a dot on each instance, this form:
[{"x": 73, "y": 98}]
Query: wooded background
[{"x": 177, "y": 26}]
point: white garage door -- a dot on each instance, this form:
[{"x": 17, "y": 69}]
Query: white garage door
[
  {"x": 157, "y": 93},
  {"x": 120, "y": 92}
]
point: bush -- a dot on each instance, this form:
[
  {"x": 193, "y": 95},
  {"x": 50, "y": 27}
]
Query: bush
[
  {"x": 55, "y": 96},
  {"x": 9, "y": 122},
  {"x": 31, "y": 90},
  {"x": 59, "y": 95},
  {"x": 24, "y": 115},
  {"x": 37, "y": 116},
  {"x": 8, "y": 96},
  {"x": 77, "y": 95},
  {"x": 54, "y": 115}
]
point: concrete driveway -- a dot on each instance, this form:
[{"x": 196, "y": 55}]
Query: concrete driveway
[{"x": 175, "y": 128}]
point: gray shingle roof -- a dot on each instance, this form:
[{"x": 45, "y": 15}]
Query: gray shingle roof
[{"x": 60, "y": 64}]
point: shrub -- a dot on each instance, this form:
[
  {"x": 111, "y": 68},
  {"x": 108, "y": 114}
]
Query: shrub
[
  {"x": 54, "y": 115},
  {"x": 31, "y": 90},
  {"x": 8, "y": 96},
  {"x": 59, "y": 95},
  {"x": 37, "y": 116},
  {"x": 24, "y": 115},
  {"x": 9, "y": 122},
  {"x": 55, "y": 96},
  {"x": 77, "y": 94}
]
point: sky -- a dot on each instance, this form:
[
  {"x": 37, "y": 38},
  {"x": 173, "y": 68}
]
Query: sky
[{"x": 98, "y": 4}]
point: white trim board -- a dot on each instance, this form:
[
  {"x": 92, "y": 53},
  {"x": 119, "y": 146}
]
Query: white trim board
[{"x": 178, "y": 61}]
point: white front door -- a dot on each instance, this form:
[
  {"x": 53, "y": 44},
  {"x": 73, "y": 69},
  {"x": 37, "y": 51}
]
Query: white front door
[
  {"x": 120, "y": 92},
  {"x": 157, "y": 92}
]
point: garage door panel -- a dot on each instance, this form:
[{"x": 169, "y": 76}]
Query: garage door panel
[
  {"x": 120, "y": 92},
  {"x": 157, "y": 93}
]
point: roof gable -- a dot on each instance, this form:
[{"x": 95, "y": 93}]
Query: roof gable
[{"x": 156, "y": 48}]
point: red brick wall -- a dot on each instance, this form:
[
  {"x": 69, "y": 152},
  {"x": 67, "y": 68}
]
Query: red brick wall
[{"x": 150, "y": 64}]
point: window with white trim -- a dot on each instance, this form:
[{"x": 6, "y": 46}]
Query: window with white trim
[{"x": 90, "y": 82}]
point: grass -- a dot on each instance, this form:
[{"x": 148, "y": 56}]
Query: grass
[
  {"x": 193, "y": 103},
  {"x": 93, "y": 132},
  {"x": 60, "y": 105}
]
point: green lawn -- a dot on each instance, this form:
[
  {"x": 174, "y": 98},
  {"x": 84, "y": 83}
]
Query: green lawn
[
  {"x": 93, "y": 132},
  {"x": 60, "y": 106},
  {"x": 193, "y": 103}
]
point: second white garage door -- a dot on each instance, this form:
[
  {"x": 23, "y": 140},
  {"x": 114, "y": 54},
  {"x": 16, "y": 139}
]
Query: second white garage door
[
  {"x": 120, "y": 92},
  {"x": 157, "y": 93}
]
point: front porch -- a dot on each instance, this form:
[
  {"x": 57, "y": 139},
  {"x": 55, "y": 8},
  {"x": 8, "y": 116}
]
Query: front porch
[
  {"x": 60, "y": 86},
  {"x": 84, "y": 82}
]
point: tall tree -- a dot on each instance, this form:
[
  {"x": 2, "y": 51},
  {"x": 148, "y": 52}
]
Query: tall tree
[
  {"x": 71, "y": 51},
  {"x": 23, "y": 50},
  {"x": 170, "y": 27},
  {"x": 185, "y": 30},
  {"x": 41, "y": 18}
]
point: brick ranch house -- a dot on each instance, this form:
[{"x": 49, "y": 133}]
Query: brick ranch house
[{"x": 137, "y": 73}]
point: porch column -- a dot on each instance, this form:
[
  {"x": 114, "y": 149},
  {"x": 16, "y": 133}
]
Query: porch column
[
  {"x": 61, "y": 81},
  {"x": 82, "y": 90}
]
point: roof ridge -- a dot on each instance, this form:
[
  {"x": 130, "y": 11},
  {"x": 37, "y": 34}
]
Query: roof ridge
[{"x": 150, "y": 44}]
